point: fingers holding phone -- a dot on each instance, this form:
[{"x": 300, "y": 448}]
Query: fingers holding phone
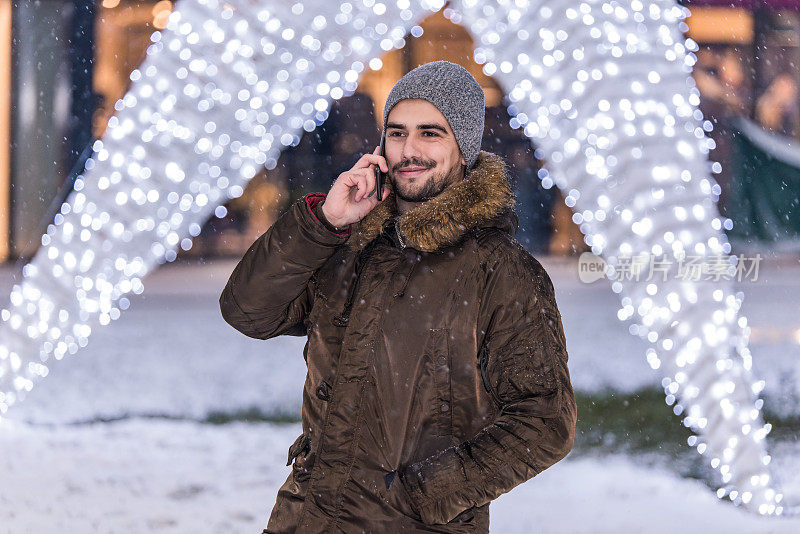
[{"x": 353, "y": 194}]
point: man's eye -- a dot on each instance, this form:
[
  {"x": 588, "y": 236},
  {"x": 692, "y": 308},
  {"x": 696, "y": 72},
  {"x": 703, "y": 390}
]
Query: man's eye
[
  {"x": 434, "y": 134},
  {"x": 395, "y": 133}
]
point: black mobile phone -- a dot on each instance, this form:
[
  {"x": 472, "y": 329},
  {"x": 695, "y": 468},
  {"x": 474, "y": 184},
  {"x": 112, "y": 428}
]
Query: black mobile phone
[{"x": 379, "y": 174}]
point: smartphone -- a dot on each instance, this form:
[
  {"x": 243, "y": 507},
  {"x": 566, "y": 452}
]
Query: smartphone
[{"x": 379, "y": 174}]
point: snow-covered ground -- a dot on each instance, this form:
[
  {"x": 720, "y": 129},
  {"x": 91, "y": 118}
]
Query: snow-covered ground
[
  {"x": 171, "y": 354},
  {"x": 165, "y": 476}
]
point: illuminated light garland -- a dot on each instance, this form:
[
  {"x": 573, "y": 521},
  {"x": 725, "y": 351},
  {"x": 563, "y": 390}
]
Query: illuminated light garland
[{"x": 603, "y": 88}]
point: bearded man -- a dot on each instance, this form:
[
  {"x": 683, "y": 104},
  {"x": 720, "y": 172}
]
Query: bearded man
[{"x": 437, "y": 363}]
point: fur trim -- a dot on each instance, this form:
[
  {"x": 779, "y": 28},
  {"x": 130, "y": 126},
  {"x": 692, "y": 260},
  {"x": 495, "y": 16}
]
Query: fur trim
[{"x": 480, "y": 198}]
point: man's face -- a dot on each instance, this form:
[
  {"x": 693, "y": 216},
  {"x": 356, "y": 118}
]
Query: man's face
[{"x": 421, "y": 151}]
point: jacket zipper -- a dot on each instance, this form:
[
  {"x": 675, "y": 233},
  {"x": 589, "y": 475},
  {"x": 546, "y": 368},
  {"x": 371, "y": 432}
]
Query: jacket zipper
[{"x": 483, "y": 364}]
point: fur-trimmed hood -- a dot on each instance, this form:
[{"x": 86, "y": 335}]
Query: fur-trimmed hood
[{"x": 482, "y": 198}]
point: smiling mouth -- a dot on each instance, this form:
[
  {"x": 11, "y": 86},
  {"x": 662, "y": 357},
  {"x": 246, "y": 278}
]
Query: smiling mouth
[{"x": 412, "y": 171}]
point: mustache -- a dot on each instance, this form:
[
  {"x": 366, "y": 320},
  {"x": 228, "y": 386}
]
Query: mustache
[{"x": 413, "y": 162}]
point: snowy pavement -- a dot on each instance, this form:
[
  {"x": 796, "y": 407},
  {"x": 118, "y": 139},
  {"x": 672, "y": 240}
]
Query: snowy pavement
[
  {"x": 143, "y": 475},
  {"x": 172, "y": 356}
]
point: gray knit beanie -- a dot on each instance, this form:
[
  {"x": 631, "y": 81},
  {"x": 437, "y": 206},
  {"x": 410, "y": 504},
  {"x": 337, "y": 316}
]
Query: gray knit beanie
[{"x": 455, "y": 92}]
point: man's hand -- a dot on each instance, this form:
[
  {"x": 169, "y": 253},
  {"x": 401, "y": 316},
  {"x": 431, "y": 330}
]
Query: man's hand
[{"x": 352, "y": 195}]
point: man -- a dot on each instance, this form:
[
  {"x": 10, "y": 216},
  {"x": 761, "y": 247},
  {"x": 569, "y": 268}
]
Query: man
[{"x": 437, "y": 365}]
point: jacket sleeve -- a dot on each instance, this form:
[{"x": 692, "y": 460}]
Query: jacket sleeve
[
  {"x": 526, "y": 373},
  {"x": 270, "y": 290}
]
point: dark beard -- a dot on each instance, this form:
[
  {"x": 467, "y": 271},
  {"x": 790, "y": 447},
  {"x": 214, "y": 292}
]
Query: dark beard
[{"x": 435, "y": 185}]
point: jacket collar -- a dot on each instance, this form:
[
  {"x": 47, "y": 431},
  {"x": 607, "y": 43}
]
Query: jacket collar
[{"x": 483, "y": 198}]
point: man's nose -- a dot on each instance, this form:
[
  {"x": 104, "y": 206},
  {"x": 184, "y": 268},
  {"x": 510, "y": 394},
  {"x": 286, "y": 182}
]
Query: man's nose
[{"x": 411, "y": 148}]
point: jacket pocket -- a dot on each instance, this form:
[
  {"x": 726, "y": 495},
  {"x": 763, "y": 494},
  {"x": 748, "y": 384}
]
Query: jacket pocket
[
  {"x": 440, "y": 361},
  {"x": 464, "y": 517},
  {"x": 484, "y": 363},
  {"x": 526, "y": 372}
]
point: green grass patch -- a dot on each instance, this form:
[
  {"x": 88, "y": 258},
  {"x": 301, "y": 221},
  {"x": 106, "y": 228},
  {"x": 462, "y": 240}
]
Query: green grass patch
[
  {"x": 643, "y": 422},
  {"x": 250, "y": 415},
  {"x": 636, "y": 422},
  {"x": 643, "y": 425}
]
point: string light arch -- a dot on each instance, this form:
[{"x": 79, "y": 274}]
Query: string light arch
[{"x": 602, "y": 87}]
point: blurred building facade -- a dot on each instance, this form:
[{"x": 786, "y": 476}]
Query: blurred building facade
[
  {"x": 70, "y": 63},
  {"x": 749, "y": 81}
]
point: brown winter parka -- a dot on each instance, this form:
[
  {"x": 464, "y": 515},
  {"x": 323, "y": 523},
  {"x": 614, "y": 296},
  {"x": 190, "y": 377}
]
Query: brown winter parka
[{"x": 437, "y": 363}]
